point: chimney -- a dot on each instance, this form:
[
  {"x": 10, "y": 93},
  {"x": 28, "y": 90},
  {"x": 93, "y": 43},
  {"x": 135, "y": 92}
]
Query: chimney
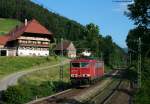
[{"x": 26, "y": 22}]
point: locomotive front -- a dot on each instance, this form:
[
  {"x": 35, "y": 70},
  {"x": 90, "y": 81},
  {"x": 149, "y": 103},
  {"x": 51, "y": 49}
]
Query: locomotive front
[
  {"x": 80, "y": 70},
  {"x": 86, "y": 70}
]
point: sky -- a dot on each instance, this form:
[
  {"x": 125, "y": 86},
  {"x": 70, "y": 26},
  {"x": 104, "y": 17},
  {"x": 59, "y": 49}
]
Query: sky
[{"x": 108, "y": 15}]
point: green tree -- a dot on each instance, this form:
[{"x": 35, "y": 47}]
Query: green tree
[
  {"x": 92, "y": 40},
  {"x": 108, "y": 50},
  {"x": 139, "y": 11}
]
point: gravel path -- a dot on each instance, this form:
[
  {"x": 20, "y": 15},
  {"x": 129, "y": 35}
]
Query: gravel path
[{"x": 13, "y": 78}]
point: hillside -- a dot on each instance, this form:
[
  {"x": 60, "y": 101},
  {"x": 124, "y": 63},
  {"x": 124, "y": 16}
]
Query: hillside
[
  {"x": 84, "y": 37},
  {"x": 7, "y": 24}
]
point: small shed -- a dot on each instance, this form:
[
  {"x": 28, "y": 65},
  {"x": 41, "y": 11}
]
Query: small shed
[{"x": 68, "y": 48}]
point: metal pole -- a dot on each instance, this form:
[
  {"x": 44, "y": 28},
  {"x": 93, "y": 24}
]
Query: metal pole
[
  {"x": 62, "y": 47},
  {"x": 61, "y": 66},
  {"x": 130, "y": 58},
  {"x": 139, "y": 63},
  {"x": 101, "y": 56}
]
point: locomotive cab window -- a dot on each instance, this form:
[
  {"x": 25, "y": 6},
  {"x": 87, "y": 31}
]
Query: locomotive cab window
[
  {"x": 84, "y": 64},
  {"x": 75, "y": 64},
  {"x": 80, "y": 65}
]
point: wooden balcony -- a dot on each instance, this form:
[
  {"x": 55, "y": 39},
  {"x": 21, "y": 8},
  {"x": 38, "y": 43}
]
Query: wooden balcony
[
  {"x": 33, "y": 38},
  {"x": 35, "y": 45},
  {"x": 33, "y": 42}
]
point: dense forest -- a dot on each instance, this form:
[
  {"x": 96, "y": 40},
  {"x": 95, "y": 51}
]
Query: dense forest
[
  {"x": 84, "y": 37},
  {"x": 139, "y": 12}
]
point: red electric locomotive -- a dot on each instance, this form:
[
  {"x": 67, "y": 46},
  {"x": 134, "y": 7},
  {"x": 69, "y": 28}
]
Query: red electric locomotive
[{"x": 86, "y": 70}]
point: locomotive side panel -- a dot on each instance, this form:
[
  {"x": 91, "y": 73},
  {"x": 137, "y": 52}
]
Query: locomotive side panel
[
  {"x": 100, "y": 69},
  {"x": 97, "y": 70},
  {"x": 92, "y": 71}
]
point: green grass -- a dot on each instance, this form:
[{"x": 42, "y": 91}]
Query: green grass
[
  {"x": 7, "y": 24},
  {"x": 52, "y": 74},
  {"x": 107, "y": 68},
  {"x": 13, "y": 64}
]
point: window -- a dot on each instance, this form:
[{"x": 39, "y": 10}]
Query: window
[
  {"x": 80, "y": 65},
  {"x": 20, "y": 41},
  {"x": 84, "y": 64},
  {"x": 29, "y": 42},
  {"x": 99, "y": 65},
  {"x": 38, "y": 42},
  {"x": 34, "y": 42},
  {"x": 75, "y": 64},
  {"x": 46, "y": 43}
]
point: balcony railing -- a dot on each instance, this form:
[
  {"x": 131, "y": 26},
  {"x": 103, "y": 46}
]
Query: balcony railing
[{"x": 34, "y": 38}]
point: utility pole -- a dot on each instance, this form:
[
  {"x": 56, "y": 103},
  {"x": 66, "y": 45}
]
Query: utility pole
[
  {"x": 61, "y": 63},
  {"x": 130, "y": 58},
  {"x": 101, "y": 56},
  {"x": 139, "y": 63}
]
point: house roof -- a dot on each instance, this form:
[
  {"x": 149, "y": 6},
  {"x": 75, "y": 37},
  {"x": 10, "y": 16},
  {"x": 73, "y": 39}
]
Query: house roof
[
  {"x": 3, "y": 40},
  {"x": 65, "y": 43},
  {"x": 35, "y": 27},
  {"x": 32, "y": 26}
]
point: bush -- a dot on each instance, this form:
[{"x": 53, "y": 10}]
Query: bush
[
  {"x": 60, "y": 85},
  {"x": 21, "y": 94},
  {"x": 16, "y": 95},
  {"x": 45, "y": 89}
]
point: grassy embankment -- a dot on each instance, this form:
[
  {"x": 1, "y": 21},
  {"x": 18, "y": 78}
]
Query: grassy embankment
[
  {"x": 10, "y": 65},
  {"x": 51, "y": 74},
  {"x": 7, "y": 24}
]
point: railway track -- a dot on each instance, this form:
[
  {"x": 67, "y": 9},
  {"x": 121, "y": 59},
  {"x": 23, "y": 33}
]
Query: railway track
[
  {"x": 118, "y": 92},
  {"x": 103, "y": 96},
  {"x": 83, "y": 94},
  {"x": 122, "y": 95}
]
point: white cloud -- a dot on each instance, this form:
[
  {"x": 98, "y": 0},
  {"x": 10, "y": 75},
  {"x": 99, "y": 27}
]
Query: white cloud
[{"x": 122, "y": 6}]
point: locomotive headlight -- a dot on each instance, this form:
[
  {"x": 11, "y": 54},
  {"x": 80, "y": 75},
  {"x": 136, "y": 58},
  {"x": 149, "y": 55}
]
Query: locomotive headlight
[
  {"x": 72, "y": 75},
  {"x": 86, "y": 75}
]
